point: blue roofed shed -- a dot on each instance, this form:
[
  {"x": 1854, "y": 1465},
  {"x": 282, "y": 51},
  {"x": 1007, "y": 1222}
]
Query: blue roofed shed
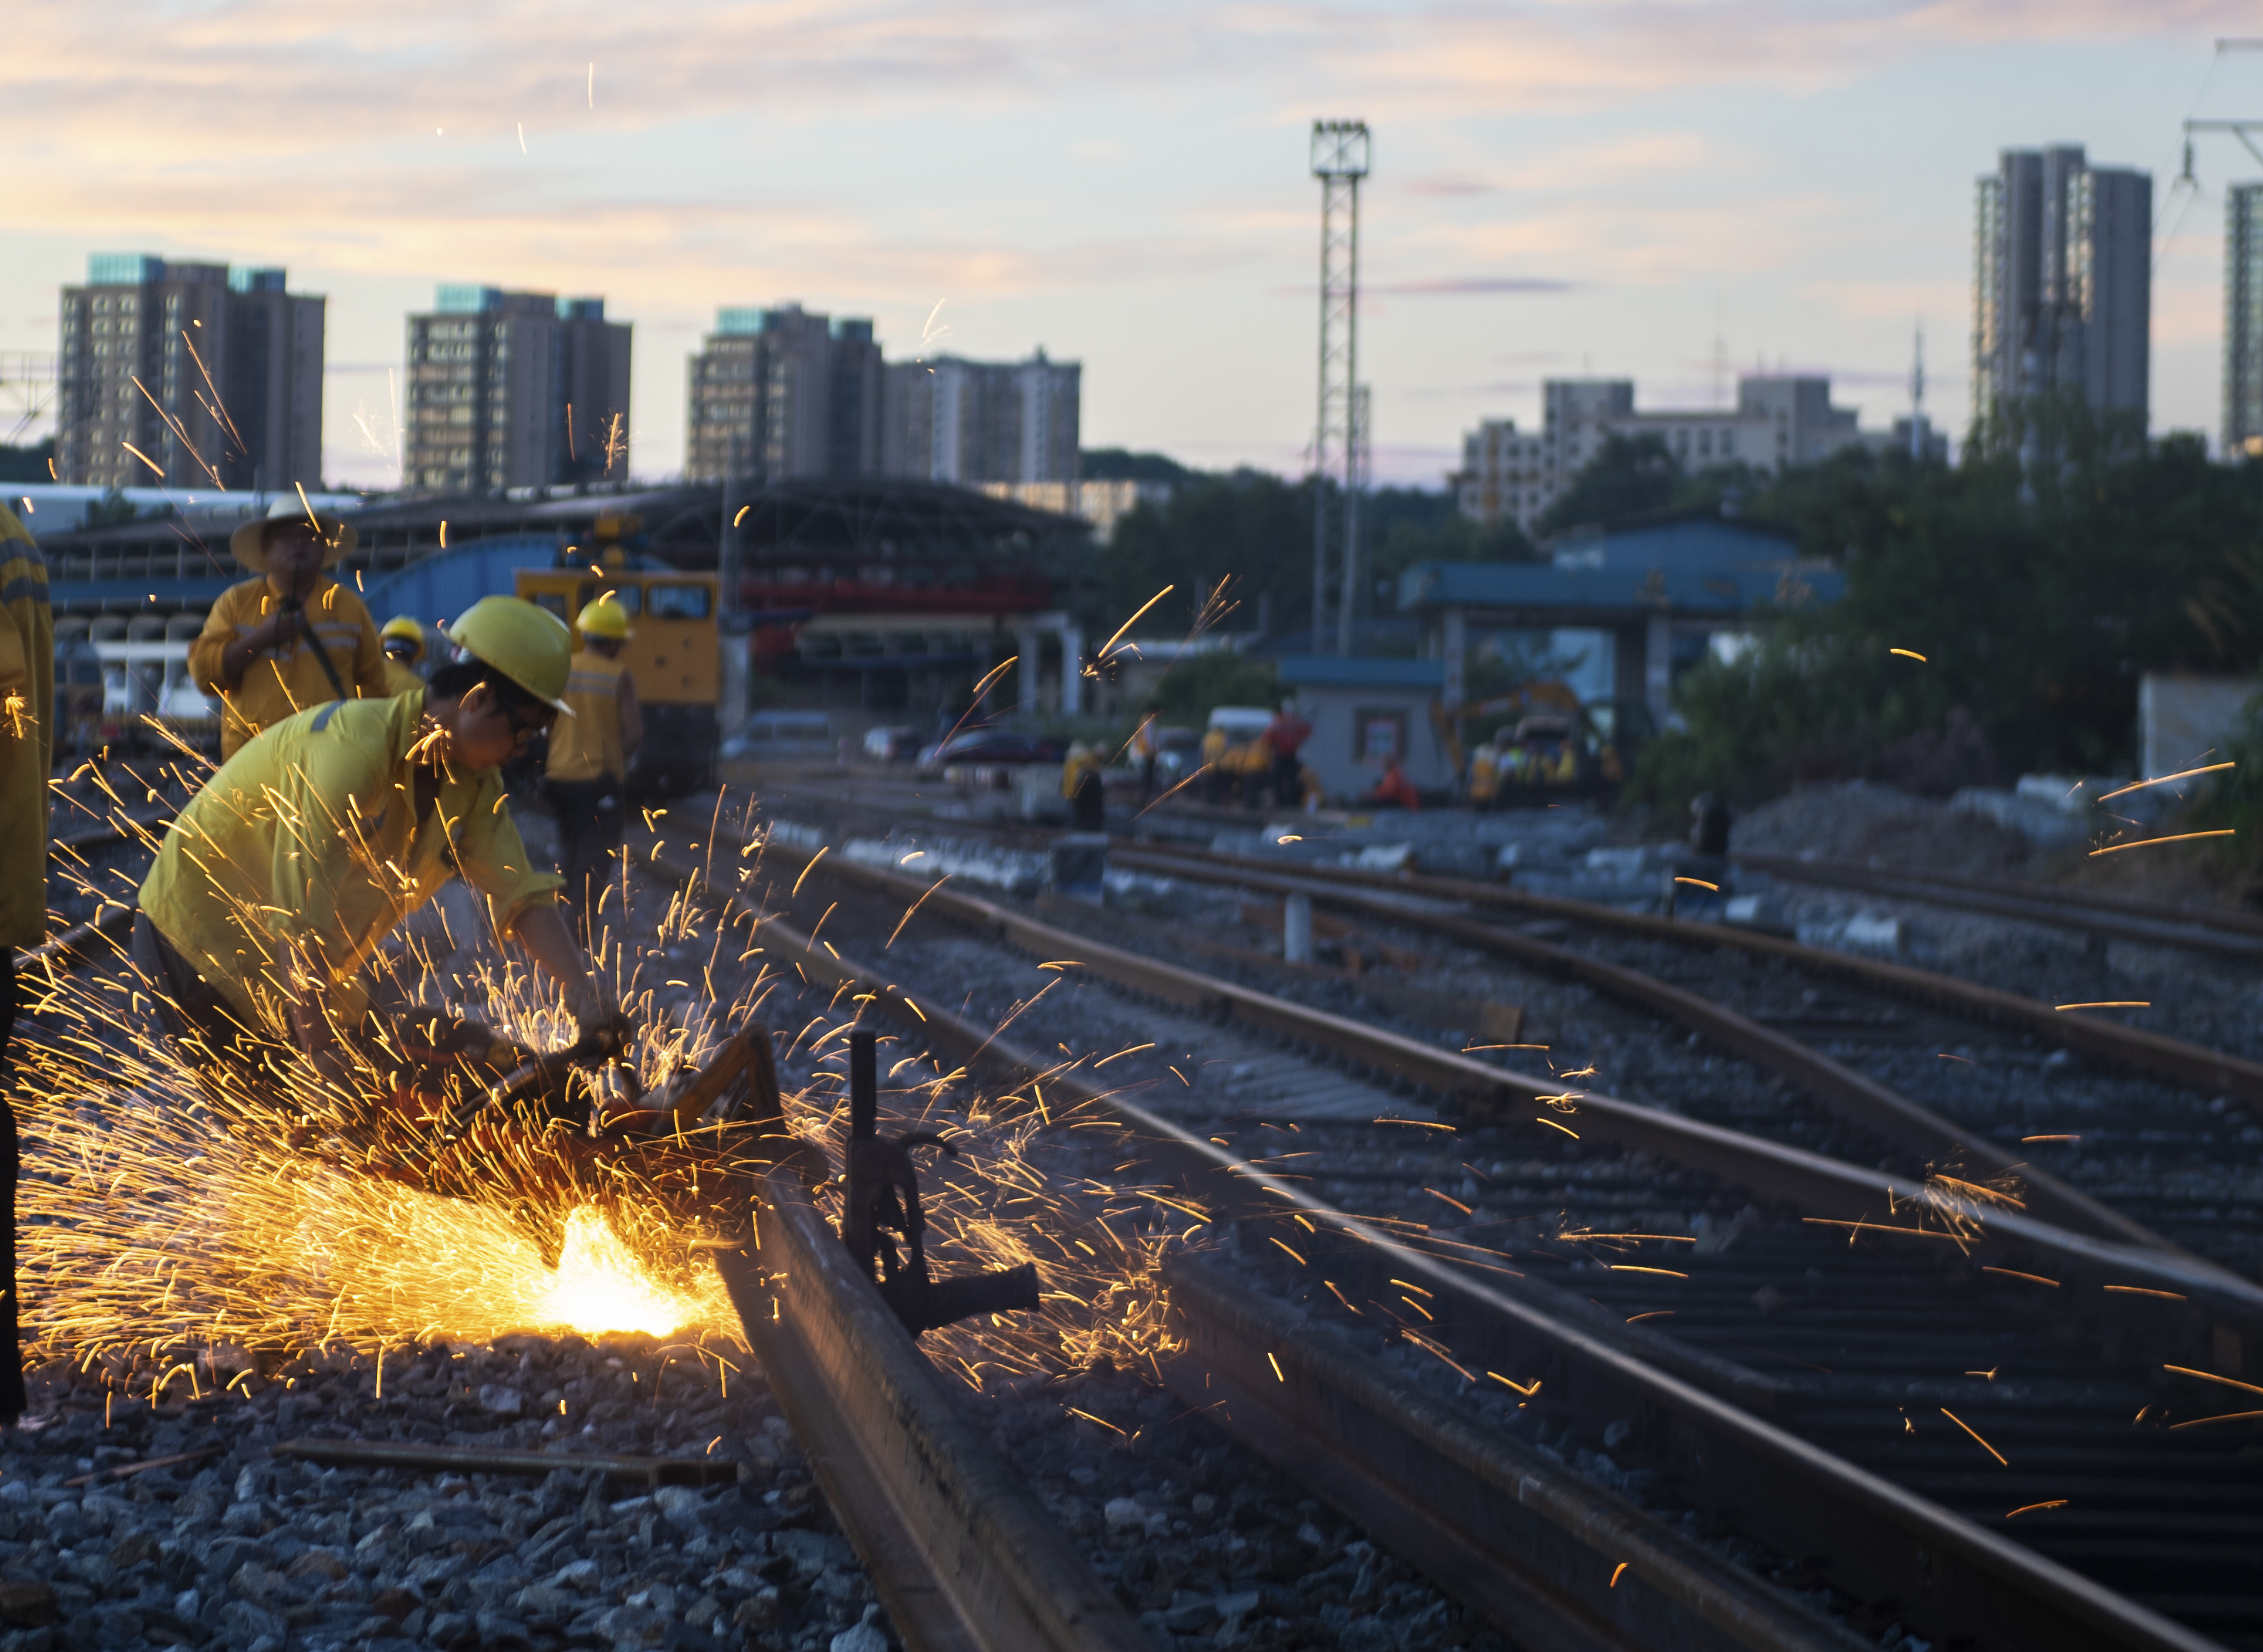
[
  {"x": 1643, "y": 602},
  {"x": 1364, "y": 710}
]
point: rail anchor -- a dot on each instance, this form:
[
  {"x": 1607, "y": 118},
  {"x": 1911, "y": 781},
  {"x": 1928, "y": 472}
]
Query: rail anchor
[{"x": 882, "y": 1198}]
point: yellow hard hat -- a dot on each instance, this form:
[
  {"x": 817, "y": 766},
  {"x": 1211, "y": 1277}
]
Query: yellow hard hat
[
  {"x": 529, "y": 645},
  {"x": 407, "y": 630},
  {"x": 606, "y": 618}
]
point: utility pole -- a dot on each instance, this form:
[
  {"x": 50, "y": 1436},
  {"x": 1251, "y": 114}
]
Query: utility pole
[
  {"x": 1916, "y": 395},
  {"x": 1339, "y": 160}
]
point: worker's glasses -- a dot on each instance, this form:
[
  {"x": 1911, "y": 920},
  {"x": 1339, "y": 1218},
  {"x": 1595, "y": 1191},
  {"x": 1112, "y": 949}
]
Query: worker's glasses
[{"x": 524, "y": 733}]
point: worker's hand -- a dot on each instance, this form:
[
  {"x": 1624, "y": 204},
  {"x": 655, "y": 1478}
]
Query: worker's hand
[
  {"x": 279, "y": 628},
  {"x": 606, "y": 1032}
]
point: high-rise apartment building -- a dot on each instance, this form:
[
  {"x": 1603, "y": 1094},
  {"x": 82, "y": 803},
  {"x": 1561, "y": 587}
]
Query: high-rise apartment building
[
  {"x": 515, "y": 390},
  {"x": 1778, "y": 420},
  {"x": 2243, "y": 316},
  {"x": 955, "y": 420},
  {"x": 2062, "y": 284},
  {"x": 783, "y": 392},
  {"x": 213, "y": 376}
]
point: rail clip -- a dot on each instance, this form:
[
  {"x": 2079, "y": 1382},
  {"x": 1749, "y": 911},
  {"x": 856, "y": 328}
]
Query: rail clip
[{"x": 882, "y": 1198}]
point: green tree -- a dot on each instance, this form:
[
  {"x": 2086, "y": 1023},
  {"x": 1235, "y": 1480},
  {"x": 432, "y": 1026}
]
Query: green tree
[
  {"x": 1630, "y": 476},
  {"x": 2037, "y": 595},
  {"x": 27, "y": 463}
]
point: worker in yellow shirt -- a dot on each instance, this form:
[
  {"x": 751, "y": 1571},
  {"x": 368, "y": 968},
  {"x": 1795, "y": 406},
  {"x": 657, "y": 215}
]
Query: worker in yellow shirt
[
  {"x": 1484, "y": 777},
  {"x": 280, "y": 879},
  {"x": 291, "y": 638},
  {"x": 27, "y": 737},
  {"x": 403, "y": 639},
  {"x": 589, "y": 753}
]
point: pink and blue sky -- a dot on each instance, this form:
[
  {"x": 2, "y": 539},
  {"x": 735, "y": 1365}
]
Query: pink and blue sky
[{"x": 1590, "y": 186}]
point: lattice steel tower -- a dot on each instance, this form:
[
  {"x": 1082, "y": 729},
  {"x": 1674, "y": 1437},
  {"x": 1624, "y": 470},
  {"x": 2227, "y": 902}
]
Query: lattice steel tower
[{"x": 1339, "y": 155}]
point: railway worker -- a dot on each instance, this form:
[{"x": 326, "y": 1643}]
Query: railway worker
[
  {"x": 403, "y": 639},
  {"x": 1484, "y": 777},
  {"x": 1287, "y": 733},
  {"x": 1215, "y": 779},
  {"x": 1086, "y": 791},
  {"x": 291, "y": 638},
  {"x": 589, "y": 753},
  {"x": 1395, "y": 790},
  {"x": 27, "y": 738},
  {"x": 301, "y": 855},
  {"x": 1146, "y": 747}
]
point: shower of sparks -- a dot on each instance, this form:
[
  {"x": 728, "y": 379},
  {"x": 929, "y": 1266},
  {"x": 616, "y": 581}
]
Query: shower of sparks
[{"x": 151, "y": 1231}]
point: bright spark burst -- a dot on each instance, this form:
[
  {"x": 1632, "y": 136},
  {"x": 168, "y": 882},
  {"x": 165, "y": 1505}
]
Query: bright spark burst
[{"x": 149, "y": 1231}]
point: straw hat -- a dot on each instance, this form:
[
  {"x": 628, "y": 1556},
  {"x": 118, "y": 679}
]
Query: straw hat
[{"x": 250, "y": 542}]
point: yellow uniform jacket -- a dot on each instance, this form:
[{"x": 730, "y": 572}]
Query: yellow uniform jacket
[
  {"x": 301, "y": 855},
  {"x": 279, "y": 682}
]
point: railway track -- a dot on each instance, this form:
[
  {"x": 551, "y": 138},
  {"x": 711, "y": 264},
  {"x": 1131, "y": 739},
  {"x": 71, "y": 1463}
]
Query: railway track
[
  {"x": 1492, "y": 1314},
  {"x": 1920, "y": 1065},
  {"x": 2193, "y": 928},
  {"x": 1713, "y": 1446}
]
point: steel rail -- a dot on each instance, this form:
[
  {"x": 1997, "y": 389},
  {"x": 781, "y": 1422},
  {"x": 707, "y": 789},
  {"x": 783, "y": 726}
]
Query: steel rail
[
  {"x": 1392, "y": 1444},
  {"x": 1850, "y": 1095},
  {"x": 1821, "y": 1187},
  {"x": 2187, "y": 1064},
  {"x": 961, "y": 1552},
  {"x": 2191, "y": 928}
]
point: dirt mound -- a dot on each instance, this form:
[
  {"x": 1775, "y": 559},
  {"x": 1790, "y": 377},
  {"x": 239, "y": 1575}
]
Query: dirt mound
[{"x": 1870, "y": 824}]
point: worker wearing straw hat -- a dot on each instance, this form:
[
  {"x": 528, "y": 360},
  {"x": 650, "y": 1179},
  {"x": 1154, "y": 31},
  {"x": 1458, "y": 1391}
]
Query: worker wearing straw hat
[
  {"x": 285, "y": 874},
  {"x": 27, "y": 735},
  {"x": 293, "y": 638}
]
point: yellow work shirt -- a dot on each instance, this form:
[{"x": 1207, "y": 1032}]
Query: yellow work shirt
[
  {"x": 27, "y": 734},
  {"x": 587, "y": 745},
  {"x": 399, "y": 679},
  {"x": 278, "y": 682},
  {"x": 301, "y": 855},
  {"x": 1485, "y": 773}
]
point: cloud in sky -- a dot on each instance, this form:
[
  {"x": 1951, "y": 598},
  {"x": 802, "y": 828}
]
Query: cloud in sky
[{"x": 1124, "y": 184}]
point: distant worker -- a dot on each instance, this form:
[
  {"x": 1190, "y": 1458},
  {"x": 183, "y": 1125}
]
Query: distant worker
[
  {"x": 1395, "y": 790},
  {"x": 27, "y": 738},
  {"x": 373, "y": 805},
  {"x": 291, "y": 638},
  {"x": 1146, "y": 747},
  {"x": 1484, "y": 777},
  {"x": 1709, "y": 825},
  {"x": 1287, "y": 733},
  {"x": 1084, "y": 789},
  {"x": 590, "y": 753},
  {"x": 1215, "y": 779},
  {"x": 404, "y": 650}
]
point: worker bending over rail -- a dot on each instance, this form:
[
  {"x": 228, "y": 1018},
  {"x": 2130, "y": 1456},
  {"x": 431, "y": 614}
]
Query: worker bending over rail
[
  {"x": 589, "y": 755},
  {"x": 293, "y": 638},
  {"x": 27, "y": 739},
  {"x": 282, "y": 876}
]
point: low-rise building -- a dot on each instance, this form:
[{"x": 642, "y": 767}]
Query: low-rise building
[
  {"x": 1365, "y": 710},
  {"x": 1779, "y": 420}
]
